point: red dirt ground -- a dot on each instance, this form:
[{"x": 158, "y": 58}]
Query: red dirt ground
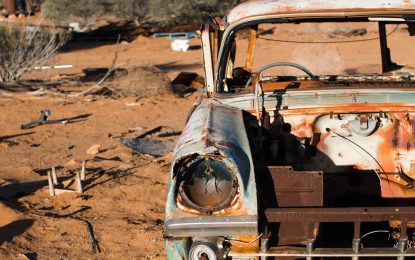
[{"x": 124, "y": 200}]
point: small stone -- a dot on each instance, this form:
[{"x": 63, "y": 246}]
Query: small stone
[{"x": 93, "y": 150}]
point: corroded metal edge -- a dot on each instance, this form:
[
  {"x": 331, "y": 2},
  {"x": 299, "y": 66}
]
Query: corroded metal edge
[
  {"x": 211, "y": 226},
  {"x": 273, "y": 7}
]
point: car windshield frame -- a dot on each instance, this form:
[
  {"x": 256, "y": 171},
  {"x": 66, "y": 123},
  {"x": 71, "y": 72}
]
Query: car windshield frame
[{"x": 230, "y": 33}]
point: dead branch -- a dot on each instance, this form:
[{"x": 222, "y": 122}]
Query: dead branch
[{"x": 114, "y": 60}]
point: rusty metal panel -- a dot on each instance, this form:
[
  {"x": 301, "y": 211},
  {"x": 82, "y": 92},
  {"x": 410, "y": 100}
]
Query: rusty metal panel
[
  {"x": 251, "y": 9},
  {"x": 297, "y": 188},
  {"x": 216, "y": 130}
]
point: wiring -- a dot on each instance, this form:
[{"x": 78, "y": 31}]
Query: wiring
[
  {"x": 374, "y": 232},
  {"x": 311, "y": 42},
  {"x": 243, "y": 242}
]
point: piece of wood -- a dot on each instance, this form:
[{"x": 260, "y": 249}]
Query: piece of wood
[
  {"x": 51, "y": 187},
  {"x": 83, "y": 170},
  {"x": 78, "y": 183},
  {"x": 54, "y": 177},
  {"x": 62, "y": 191}
]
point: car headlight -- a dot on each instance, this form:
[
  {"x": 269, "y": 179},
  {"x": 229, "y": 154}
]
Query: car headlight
[{"x": 207, "y": 185}]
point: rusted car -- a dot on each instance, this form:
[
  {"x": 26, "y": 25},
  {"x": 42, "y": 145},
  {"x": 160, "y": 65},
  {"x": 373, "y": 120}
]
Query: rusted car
[{"x": 303, "y": 145}]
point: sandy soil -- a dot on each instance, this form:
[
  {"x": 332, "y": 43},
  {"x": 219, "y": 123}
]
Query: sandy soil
[{"x": 123, "y": 198}]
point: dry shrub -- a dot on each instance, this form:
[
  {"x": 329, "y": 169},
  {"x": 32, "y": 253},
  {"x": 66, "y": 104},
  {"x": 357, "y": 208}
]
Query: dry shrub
[
  {"x": 24, "y": 47},
  {"x": 155, "y": 13},
  {"x": 141, "y": 82}
]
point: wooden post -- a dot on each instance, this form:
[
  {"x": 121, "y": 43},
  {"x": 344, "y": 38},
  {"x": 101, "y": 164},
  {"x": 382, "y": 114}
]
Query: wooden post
[
  {"x": 83, "y": 170},
  {"x": 79, "y": 183},
  {"x": 54, "y": 177},
  {"x": 51, "y": 187}
]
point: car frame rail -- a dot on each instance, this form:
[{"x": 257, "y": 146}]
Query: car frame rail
[{"x": 311, "y": 217}]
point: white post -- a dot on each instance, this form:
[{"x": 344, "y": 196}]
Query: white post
[
  {"x": 79, "y": 183},
  {"x": 54, "y": 177},
  {"x": 51, "y": 187},
  {"x": 83, "y": 170}
]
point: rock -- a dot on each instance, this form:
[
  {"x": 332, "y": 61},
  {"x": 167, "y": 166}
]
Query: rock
[
  {"x": 133, "y": 104},
  {"x": 93, "y": 150}
]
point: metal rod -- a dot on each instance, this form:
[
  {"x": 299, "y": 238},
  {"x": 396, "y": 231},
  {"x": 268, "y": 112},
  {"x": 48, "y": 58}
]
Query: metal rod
[{"x": 357, "y": 225}]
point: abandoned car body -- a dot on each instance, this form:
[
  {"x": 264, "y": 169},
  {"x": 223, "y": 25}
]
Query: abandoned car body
[{"x": 299, "y": 165}]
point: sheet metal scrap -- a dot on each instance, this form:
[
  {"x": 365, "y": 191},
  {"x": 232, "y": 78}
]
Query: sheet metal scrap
[{"x": 156, "y": 148}]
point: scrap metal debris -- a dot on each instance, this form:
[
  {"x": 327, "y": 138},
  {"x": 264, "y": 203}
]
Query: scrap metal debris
[
  {"x": 156, "y": 148},
  {"x": 186, "y": 83},
  {"x": 168, "y": 134},
  {"x": 150, "y": 132},
  {"x": 43, "y": 120}
]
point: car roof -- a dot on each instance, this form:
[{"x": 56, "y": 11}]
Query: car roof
[{"x": 299, "y": 8}]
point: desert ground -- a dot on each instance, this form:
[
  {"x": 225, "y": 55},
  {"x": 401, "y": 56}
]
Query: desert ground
[{"x": 123, "y": 197}]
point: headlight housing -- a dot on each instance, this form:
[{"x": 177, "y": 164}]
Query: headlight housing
[{"x": 207, "y": 185}]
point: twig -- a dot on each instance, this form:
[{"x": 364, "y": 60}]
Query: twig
[
  {"x": 94, "y": 242},
  {"x": 96, "y": 89},
  {"x": 114, "y": 60}
]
